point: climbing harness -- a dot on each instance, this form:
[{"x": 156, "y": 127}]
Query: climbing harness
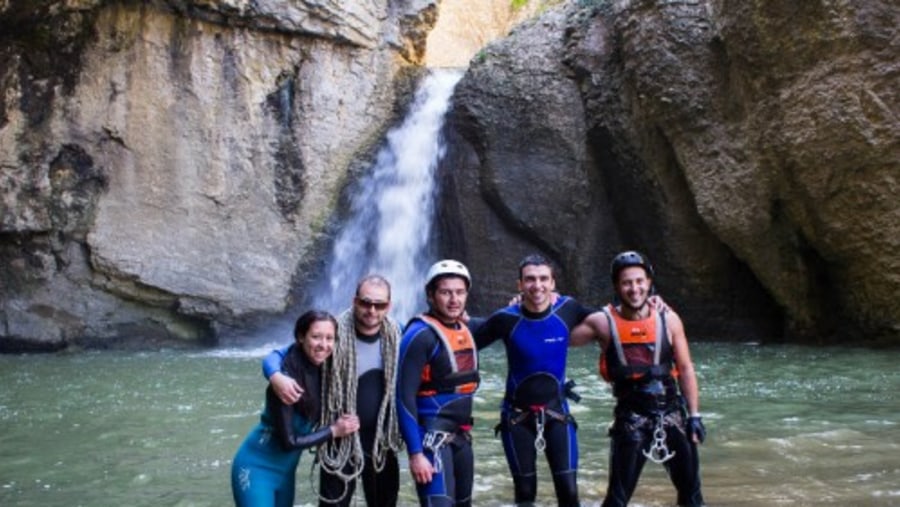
[
  {"x": 540, "y": 414},
  {"x": 659, "y": 452},
  {"x": 434, "y": 441}
]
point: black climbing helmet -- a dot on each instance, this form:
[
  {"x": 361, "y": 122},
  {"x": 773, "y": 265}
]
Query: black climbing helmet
[{"x": 627, "y": 260}]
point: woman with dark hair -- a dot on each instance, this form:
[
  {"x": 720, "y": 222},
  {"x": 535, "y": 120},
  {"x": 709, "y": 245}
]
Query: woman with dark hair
[{"x": 262, "y": 474}]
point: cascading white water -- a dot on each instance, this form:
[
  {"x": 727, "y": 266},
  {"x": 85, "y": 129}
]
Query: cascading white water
[{"x": 392, "y": 208}]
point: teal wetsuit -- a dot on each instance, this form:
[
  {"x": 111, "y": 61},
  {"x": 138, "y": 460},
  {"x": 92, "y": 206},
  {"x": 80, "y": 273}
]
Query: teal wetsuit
[{"x": 262, "y": 474}]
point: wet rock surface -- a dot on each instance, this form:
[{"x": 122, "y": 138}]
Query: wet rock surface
[{"x": 751, "y": 149}]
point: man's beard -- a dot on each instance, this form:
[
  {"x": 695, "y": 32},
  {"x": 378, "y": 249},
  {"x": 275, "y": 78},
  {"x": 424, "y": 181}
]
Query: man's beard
[{"x": 633, "y": 308}]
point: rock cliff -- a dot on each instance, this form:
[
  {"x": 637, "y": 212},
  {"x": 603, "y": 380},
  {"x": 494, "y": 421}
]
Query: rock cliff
[
  {"x": 168, "y": 166},
  {"x": 750, "y": 148}
]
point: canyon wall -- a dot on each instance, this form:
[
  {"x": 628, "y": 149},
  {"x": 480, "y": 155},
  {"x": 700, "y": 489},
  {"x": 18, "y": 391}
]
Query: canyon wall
[
  {"x": 168, "y": 167},
  {"x": 171, "y": 171},
  {"x": 750, "y": 148}
]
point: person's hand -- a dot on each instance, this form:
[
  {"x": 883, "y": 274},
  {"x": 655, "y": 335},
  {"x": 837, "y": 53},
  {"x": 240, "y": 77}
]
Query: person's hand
[
  {"x": 286, "y": 388},
  {"x": 420, "y": 468},
  {"x": 695, "y": 429},
  {"x": 346, "y": 424},
  {"x": 657, "y": 303}
]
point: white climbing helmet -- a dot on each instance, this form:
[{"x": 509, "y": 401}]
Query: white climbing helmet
[{"x": 447, "y": 267}]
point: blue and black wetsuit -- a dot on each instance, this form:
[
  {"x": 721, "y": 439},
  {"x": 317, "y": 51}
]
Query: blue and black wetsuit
[
  {"x": 262, "y": 473},
  {"x": 436, "y": 379},
  {"x": 534, "y": 412}
]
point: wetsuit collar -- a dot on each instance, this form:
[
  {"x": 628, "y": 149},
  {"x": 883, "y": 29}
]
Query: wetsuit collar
[
  {"x": 368, "y": 338},
  {"x": 535, "y": 315},
  {"x": 452, "y": 325}
]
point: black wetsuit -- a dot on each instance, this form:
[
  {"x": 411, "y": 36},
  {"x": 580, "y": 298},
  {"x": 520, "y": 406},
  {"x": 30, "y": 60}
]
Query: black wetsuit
[
  {"x": 647, "y": 395},
  {"x": 380, "y": 488}
]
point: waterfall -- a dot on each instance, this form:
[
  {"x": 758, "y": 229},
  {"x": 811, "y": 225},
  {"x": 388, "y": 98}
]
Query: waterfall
[{"x": 392, "y": 208}]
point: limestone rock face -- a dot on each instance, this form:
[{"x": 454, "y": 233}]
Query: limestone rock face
[
  {"x": 167, "y": 167},
  {"x": 751, "y": 148}
]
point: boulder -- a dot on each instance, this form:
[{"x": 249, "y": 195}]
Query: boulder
[{"x": 749, "y": 148}]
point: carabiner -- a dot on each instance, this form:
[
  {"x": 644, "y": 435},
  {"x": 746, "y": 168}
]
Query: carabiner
[
  {"x": 659, "y": 451},
  {"x": 539, "y": 442}
]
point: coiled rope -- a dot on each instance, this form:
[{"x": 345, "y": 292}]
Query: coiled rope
[{"x": 339, "y": 393}]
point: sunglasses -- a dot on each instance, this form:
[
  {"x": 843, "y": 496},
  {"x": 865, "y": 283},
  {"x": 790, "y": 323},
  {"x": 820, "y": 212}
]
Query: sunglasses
[{"x": 368, "y": 303}]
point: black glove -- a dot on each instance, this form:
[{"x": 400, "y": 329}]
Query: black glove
[
  {"x": 570, "y": 392},
  {"x": 695, "y": 427}
]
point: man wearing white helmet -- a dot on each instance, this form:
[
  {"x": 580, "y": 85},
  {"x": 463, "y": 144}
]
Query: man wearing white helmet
[{"x": 436, "y": 380}]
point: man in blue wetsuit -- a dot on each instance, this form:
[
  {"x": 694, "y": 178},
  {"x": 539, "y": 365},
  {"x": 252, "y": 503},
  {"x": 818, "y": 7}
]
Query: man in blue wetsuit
[
  {"x": 534, "y": 413},
  {"x": 436, "y": 380}
]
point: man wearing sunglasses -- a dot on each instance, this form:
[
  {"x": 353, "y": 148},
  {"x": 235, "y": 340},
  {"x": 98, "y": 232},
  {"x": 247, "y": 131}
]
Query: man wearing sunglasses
[{"x": 363, "y": 374}]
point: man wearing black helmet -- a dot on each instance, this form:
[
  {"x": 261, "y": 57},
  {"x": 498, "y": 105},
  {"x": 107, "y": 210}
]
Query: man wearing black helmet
[
  {"x": 437, "y": 375},
  {"x": 645, "y": 356}
]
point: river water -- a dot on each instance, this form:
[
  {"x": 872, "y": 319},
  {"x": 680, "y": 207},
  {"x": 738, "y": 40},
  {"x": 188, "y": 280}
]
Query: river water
[{"x": 788, "y": 425}]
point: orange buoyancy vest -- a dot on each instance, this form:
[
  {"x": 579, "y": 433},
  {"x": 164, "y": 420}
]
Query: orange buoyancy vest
[
  {"x": 639, "y": 361},
  {"x": 638, "y": 349},
  {"x": 463, "y": 358}
]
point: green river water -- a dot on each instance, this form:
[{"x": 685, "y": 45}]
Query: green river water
[{"x": 788, "y": 425}]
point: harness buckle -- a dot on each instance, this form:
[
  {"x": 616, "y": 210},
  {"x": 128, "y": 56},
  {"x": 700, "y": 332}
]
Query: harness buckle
[
  {"x": 434, "y": 441},
  {"x": 540, "y": 443},
  {"x": 659, "y": 452}
]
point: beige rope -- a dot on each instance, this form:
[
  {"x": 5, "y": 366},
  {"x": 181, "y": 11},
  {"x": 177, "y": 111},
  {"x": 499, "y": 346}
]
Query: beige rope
[
  {"x": 339, "y": 393},
  {"x": 387, "y": 436}
]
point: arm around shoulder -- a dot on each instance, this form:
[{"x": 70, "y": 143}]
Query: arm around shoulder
[
  {"x": 271, "y": 364},
  {"x": 594, "y": 327}
]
